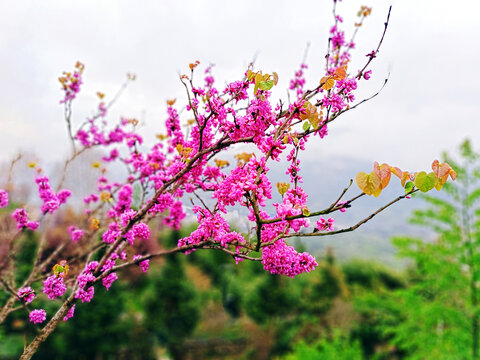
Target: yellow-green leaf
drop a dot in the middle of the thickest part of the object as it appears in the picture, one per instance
(369, 183)
(282, 187)
(425, 182)
(408, 187)
(266, 85)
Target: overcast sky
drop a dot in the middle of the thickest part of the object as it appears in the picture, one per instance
(431, 50)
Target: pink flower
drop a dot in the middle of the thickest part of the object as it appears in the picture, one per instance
(3, 198)
(325, 225)
(338, 39)
(85, 295)
(21, 217)
(83, 279)
(69, 313)
(38, 316)
(75, 233)
(141, 231)
(335, 101)
(71, 83)
(108, 280)
(27, 294)
(343, 208)
(367, 74)
(283, 259)
(54, 287)
(32, 225)
(63, 195)
(112, 233)
(143, 264)
(124, 199)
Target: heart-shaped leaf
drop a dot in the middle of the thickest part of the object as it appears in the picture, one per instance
(383, 172)
(442, 171)
(425, 182)
(266, 85)
(327, 83)
(369, 183)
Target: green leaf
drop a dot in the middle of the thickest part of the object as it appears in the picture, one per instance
(266, 85)
(408, 187)
(305, 211)
(306, 126)
(58, 269)
(425, 182)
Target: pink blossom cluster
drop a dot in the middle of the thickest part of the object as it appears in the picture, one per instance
(212, 228)
(112, 233)
(85, 277)
(294, 202)
(26, 294)
(176, 215)
(298, 82)
(21, 217)
(94, 134)
(108, 280)
(337, 38)
(283, 259)
(54, 287)
(242, 182)
(325, 225)
(335, 102)
(164, 201)
(124, 200)
(38, 316)
(3, 198)
(237, 90)
(143, 264)
(71, 83)
(75, 233)
(69, 313)
(90, 198)
(139, 231)
(51, 201)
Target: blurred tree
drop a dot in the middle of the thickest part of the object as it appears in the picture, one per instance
(102, 329)
(441, 313)
(338, 347)
(172, 310)
(366, 275)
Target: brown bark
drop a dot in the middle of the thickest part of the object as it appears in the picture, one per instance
(6, 309)
(31, 348)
